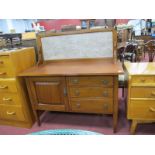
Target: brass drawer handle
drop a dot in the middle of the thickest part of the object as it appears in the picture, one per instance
(105, 94)
(2, 73)
(7, 99)
(78, 105)
(143, 80)
(1, 62)
(152, 109)
(11, 113)
(105, 106)
(77, 92)
(153, 93)
(75, 81)
(105, 82)
(3, 87)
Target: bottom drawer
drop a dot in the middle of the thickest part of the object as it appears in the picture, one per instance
(141, 109)
(104, 106)
(11, 113)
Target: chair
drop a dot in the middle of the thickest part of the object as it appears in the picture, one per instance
(150, 47)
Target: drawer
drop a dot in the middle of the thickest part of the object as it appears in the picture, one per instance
(6, 72)
(141, 109)
(8, 85)
(91, 92)
(143, 80)
(104, 106)
(9, 99)
(142, 92)
(12, 113)
(106, 81)
(5, 61)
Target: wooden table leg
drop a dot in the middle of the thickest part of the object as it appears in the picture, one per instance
(36, 114)
(133, 126)
(115, 110)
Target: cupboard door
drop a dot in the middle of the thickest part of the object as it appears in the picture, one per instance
(48, 92)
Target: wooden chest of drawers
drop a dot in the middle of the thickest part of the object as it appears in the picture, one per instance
(14, 103)
(141, 93)
(61, 87)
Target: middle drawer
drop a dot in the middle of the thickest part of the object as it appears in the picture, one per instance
(91, 92)
(142, 92)
(9, 99)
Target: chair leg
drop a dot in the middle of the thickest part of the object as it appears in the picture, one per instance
(123, 91)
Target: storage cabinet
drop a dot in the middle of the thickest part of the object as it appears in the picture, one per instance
(141, 93)
(14, 103)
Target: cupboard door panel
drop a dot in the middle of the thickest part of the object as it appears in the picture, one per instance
(48, 92)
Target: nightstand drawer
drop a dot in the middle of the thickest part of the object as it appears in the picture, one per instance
(9, 99)
(91, 92)
(11, 113)
(142, 92)
(104, 106)
(141, 109)
(143, 80)
(106, 81)
(8, 85)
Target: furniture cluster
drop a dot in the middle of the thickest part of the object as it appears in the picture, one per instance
(14, 103)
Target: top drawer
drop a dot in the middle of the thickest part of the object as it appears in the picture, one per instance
(91, 80)
(143, 80)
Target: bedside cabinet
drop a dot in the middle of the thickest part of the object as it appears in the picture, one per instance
(141, 93)
(14, 104)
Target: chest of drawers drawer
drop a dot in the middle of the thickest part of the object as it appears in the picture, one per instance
(92, 105)
(142, 109)
(9, 99)
(91, 92)
(143, 92)
(143, 80)
(8, 85)
(12, 113)
(106, 81)
(5, 61)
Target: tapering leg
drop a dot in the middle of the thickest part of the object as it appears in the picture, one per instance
(133, 126)
(36, 114)
(115, 109)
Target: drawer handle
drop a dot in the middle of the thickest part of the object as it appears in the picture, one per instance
(105, 94)
(152, 109)
(105, 106)
(77, 93)
(78, 105)
(1, 62)
(2, 73)
(153, 93)
(3, 87)
(7, 99)
(11, 113)
(105, 82)
(75, 81)
(65, 92)
(143, 80)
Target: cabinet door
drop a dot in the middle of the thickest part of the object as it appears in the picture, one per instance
(47, 93)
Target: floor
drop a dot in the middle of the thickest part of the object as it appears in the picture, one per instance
(97, 123)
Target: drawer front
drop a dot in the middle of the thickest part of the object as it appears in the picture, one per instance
(12, 113)
(9, 99)
(106, 81)
(104, 106)
(143, 80)
(91, 92)
(141, 109)
(8, 85)
(142, 92)
(6, 72)
(5, 61)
